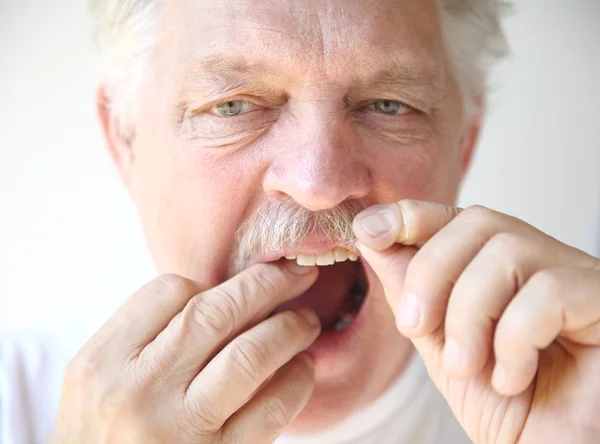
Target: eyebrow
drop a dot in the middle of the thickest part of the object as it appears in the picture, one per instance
(237, 65)
(227, 69)
(425, 80)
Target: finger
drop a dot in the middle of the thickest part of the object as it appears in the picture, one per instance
(439, 263)
(408, 222)
(481, 294)
(390, 266)
(237, 372)
(486, 286)
(213, 318)
(146, 313)
(554, 302)
(275, 407)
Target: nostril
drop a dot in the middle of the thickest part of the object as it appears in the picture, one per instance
(274, 193)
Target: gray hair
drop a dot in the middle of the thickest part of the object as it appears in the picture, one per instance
(280, 224)
(125, 31)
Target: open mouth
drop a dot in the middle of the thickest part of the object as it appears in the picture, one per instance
(339, 292)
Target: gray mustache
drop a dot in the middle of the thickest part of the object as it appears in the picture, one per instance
(284, 224)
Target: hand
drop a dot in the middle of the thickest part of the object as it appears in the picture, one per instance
(506, 318)
(179, 363)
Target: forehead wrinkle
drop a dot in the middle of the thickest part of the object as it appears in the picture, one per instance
(310, 50)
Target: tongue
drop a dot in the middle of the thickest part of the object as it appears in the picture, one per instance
(327, 295)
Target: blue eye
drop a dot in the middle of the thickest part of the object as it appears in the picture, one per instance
(390, 107)
(232, 108)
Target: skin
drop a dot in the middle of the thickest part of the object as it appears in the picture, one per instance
(192, 347)
(506, 318)
(312, 69)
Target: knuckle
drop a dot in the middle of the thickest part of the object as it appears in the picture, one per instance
(510, 249)
(414, 216)
(506, 244)
(478, 214)
(302, 373)
(281, 407)
(249, 355)
(173, 284)
(262, 281)
(547, 283)
(81, 371)
(205, 412)
(215, 316)
(87, 367)
(230, 435)
(289, 324)
(276, 411)
(412, 211)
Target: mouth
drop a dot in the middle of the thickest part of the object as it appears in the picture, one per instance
(340, 291)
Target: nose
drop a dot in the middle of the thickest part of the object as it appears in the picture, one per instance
(321, 166)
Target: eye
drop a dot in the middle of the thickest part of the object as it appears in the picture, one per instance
(232, 108)
(390, 107)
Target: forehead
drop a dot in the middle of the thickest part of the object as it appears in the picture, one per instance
(336, 39)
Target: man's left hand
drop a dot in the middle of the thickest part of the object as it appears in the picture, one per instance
(506, 318)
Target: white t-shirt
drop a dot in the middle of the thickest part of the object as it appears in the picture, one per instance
(411, 411)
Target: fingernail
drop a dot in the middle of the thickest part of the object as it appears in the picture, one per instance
(409, 312)
(376, 221)
(310, 316)
(299, 270)
(453, 357)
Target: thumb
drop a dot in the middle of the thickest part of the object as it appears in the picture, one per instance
(409, 224)
(394, 261)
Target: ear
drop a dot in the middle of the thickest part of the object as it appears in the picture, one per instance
(471, 133)
(119, 140)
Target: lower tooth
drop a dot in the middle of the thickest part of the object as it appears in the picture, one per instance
(341, 325)
(350, 309)
(348, 317)
(344, 321)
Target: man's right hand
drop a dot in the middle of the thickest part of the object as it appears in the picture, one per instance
(180, 363)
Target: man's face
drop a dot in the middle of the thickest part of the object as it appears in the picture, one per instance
(313, 105)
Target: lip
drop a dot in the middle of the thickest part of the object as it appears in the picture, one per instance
(331, 347)
(312, 246)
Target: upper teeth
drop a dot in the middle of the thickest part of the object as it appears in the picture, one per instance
(338, 254)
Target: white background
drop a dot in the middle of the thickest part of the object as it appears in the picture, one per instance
(70, 245)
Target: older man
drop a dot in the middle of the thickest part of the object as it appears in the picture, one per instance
(271, 148)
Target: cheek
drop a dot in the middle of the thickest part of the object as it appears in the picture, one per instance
(190, 204)
(419, 170)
